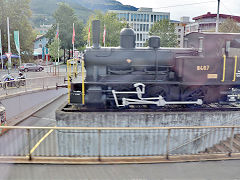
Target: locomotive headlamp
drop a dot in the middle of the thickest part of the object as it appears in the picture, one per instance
(128, 61)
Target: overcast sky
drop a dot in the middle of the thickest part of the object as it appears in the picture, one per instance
(187, 7)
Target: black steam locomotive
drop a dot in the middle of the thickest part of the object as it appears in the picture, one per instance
(207, 70)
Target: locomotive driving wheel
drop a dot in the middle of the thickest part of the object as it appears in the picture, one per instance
(193, 94)
(156, 91)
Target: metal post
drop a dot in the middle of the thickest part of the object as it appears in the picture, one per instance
(231, 143)
(99, 145)
(168, 142)
(29, 144)
(217, 22)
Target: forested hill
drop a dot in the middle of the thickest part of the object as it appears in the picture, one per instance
(43, 9)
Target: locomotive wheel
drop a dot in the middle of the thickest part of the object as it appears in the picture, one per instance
(193, 94)
(156, 91)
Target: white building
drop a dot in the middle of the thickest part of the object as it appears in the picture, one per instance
(141, 21)
(207, 22)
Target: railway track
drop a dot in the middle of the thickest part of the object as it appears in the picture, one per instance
(175, 108)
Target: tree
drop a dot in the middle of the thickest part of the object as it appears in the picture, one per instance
(53, 49)
(229, 26)
(113, 28)
(166, 31)
(65, 17)
(19, 13)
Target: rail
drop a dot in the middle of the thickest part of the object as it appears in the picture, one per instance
(30, 84)
(121, 142)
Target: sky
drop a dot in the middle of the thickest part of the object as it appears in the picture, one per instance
(191, 8)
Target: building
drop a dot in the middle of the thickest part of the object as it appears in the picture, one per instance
(180, 29)
(40, 46)
(207, 22)
(141, 21)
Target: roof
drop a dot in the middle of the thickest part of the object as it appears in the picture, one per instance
(39, 37)
(225, 16)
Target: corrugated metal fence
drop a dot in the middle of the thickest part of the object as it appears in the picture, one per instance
(115, 142)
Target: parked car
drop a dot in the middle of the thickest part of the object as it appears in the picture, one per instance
(30, 67)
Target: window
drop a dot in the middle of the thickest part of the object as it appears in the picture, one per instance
(131, 17)
(138, 27)
(147, 29)
(127, 16)
(151, 18)
(144, 27)
(141, 37)
(157, 18)
(135, 17)
(147, 17)
(200, 49)
(137, 37)
(138, 17)
(141, 28)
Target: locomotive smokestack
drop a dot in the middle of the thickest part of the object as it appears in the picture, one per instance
(96, 33)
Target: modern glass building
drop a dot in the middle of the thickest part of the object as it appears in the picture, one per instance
(141, 21)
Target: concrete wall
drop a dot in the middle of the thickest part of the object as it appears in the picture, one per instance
(151, 142)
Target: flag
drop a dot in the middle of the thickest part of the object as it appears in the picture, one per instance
(16, 39)
(89, 34)
(73, 37)
(0, 42)
(57, 32)
(104, 34)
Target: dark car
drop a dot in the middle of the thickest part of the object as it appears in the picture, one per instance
(30, 67)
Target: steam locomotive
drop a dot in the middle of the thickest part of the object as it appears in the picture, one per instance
(207, 70)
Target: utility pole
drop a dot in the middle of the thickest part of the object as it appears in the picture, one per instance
(217, 22)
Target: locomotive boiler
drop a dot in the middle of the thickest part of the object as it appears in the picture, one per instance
(205, 71)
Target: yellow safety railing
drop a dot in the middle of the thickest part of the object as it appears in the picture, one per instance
(83, 84)
(224, 68)
(235, 69)
(74, 73)
(69, 76)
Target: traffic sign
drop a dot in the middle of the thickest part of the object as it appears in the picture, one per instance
(8, 55)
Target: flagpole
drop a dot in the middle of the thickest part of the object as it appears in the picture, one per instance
(9, 47)
(1, 47)
(73, 42)
(58, 41)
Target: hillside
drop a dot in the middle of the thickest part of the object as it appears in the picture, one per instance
(43, 9)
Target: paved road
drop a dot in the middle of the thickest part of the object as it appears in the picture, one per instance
(221, 170)
(15, 142)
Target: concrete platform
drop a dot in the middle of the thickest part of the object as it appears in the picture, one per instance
(140, 143)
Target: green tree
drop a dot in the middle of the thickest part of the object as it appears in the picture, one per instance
(113, 28)
(65, 17)
(229, 26)
(19, 13)
(166, 31)
(53, 49)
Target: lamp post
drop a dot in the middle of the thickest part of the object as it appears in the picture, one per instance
(217, 22)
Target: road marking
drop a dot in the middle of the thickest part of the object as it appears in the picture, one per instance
(40, 141)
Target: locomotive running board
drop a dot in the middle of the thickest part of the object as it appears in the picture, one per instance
(158, 101)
